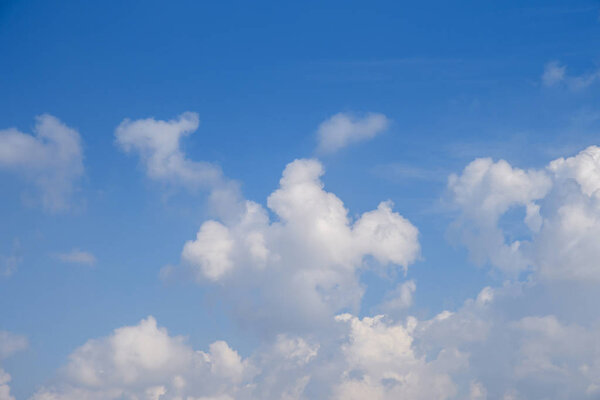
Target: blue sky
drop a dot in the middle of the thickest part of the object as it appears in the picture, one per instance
(513, 81)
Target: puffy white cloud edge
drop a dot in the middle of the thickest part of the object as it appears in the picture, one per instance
(304, 265)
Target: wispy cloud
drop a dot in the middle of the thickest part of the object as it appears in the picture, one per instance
(52, 159)
(77, 256)
(556, 74)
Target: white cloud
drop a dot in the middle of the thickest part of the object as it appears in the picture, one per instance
(561, 207)
(143, 361)
(77, 256)
(344, 129)
(52, 159)
(381, 364)
(294, 271)
(158, 145)
(210, 251)
(313, 250)
(485, 349)
(556, 74)
(483, 193)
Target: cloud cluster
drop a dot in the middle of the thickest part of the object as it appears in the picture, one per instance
(370, 359)
(560, 215)
(291, 270)
(312, 250)
(144, 362)
(52, 159)
(344, 129)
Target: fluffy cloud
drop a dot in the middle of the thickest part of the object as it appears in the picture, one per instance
(381, 364)
(313, 249)
(555, 74)
(484, 192)
(52, 159)
(293, 269)
(561, 215)
(158, 144)
(344, 129)
(144, 362)
(485, 349)
(371, 358)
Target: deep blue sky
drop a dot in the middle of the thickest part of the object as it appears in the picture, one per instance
(457, 83)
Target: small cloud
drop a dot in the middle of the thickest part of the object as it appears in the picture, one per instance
(77, 256)
(158, 145)
(554, 73)
(51, 159)
(344, 129)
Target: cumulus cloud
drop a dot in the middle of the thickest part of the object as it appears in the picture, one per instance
(556, 74)
(312, 249)
(77, 256)
(158, 145)
(561, 215)
(52, 159)
(371, 358)
(143, 361)
(535, 338)
(343, 129)
(381, 364)
(293, 268)
(483, 193)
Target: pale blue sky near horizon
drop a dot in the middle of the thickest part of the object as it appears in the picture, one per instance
(456, 83)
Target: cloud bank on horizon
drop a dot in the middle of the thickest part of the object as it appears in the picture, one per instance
(291, 272)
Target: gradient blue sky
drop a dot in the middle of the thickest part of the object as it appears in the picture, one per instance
(456, 82)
